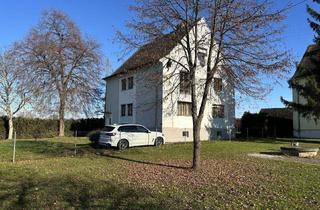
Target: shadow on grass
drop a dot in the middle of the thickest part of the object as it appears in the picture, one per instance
(47, 149)
(145, 162)
(277, 153)
(264, 141)
(64, 192)
(41, 149)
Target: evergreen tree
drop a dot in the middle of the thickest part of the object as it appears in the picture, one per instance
(306, 80)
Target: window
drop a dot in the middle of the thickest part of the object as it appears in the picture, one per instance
(108, 128)
(123, 84)
(129, 128)
(169, 63)
(218, 111)
(185, 133)
(129, 107)
(185, 83)
(141, 129)
(123, 110)
(202, 54)
(217, 82)
(130, 83)
(184, 108)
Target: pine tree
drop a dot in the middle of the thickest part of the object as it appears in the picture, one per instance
(306, 80)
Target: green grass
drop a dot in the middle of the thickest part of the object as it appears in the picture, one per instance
(48, 174)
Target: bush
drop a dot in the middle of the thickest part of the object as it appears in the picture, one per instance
(46, 128)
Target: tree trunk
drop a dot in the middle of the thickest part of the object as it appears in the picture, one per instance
(10, 134)
(61, 116)
(196, 146)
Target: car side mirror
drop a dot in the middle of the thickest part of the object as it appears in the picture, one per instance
(149, 131)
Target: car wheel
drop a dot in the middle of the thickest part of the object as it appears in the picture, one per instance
(158, 142)
(123, 144)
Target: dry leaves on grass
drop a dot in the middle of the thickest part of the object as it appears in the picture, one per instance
(228, 173)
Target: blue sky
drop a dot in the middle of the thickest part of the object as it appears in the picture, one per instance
(100, 18)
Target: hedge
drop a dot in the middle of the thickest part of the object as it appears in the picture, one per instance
(262, 125)
(44, 128)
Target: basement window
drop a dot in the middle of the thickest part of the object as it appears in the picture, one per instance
(185, 134)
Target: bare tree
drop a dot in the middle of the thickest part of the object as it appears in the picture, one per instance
(64, 64)
(14, 88)
(242, 42)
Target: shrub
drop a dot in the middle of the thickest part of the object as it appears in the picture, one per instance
(46, 128)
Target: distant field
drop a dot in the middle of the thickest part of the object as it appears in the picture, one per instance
(57, 174)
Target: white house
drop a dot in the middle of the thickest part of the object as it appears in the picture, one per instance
(304, 127)
(151, 90)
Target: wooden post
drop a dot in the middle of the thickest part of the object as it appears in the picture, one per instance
(75, 149)
(14, 147)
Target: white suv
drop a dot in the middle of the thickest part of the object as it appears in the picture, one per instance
(129, 135)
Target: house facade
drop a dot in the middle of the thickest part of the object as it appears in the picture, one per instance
(151, 90)
(304, 127)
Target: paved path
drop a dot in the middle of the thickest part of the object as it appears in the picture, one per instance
(279, 156)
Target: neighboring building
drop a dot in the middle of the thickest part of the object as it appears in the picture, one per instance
(143, 90)
(304, 127)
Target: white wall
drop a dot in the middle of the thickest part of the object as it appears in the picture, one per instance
(145, 96)
(112, 100)
(149, 97)
(304, 127)
(171, 95)
(155, 102)
(127, 96)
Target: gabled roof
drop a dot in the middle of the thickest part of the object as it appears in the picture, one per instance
(312, 52)
(285, 113)
(152, 52)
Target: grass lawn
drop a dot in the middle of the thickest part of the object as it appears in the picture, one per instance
(49, 175)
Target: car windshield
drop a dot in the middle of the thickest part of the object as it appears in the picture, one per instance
(108, 128)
